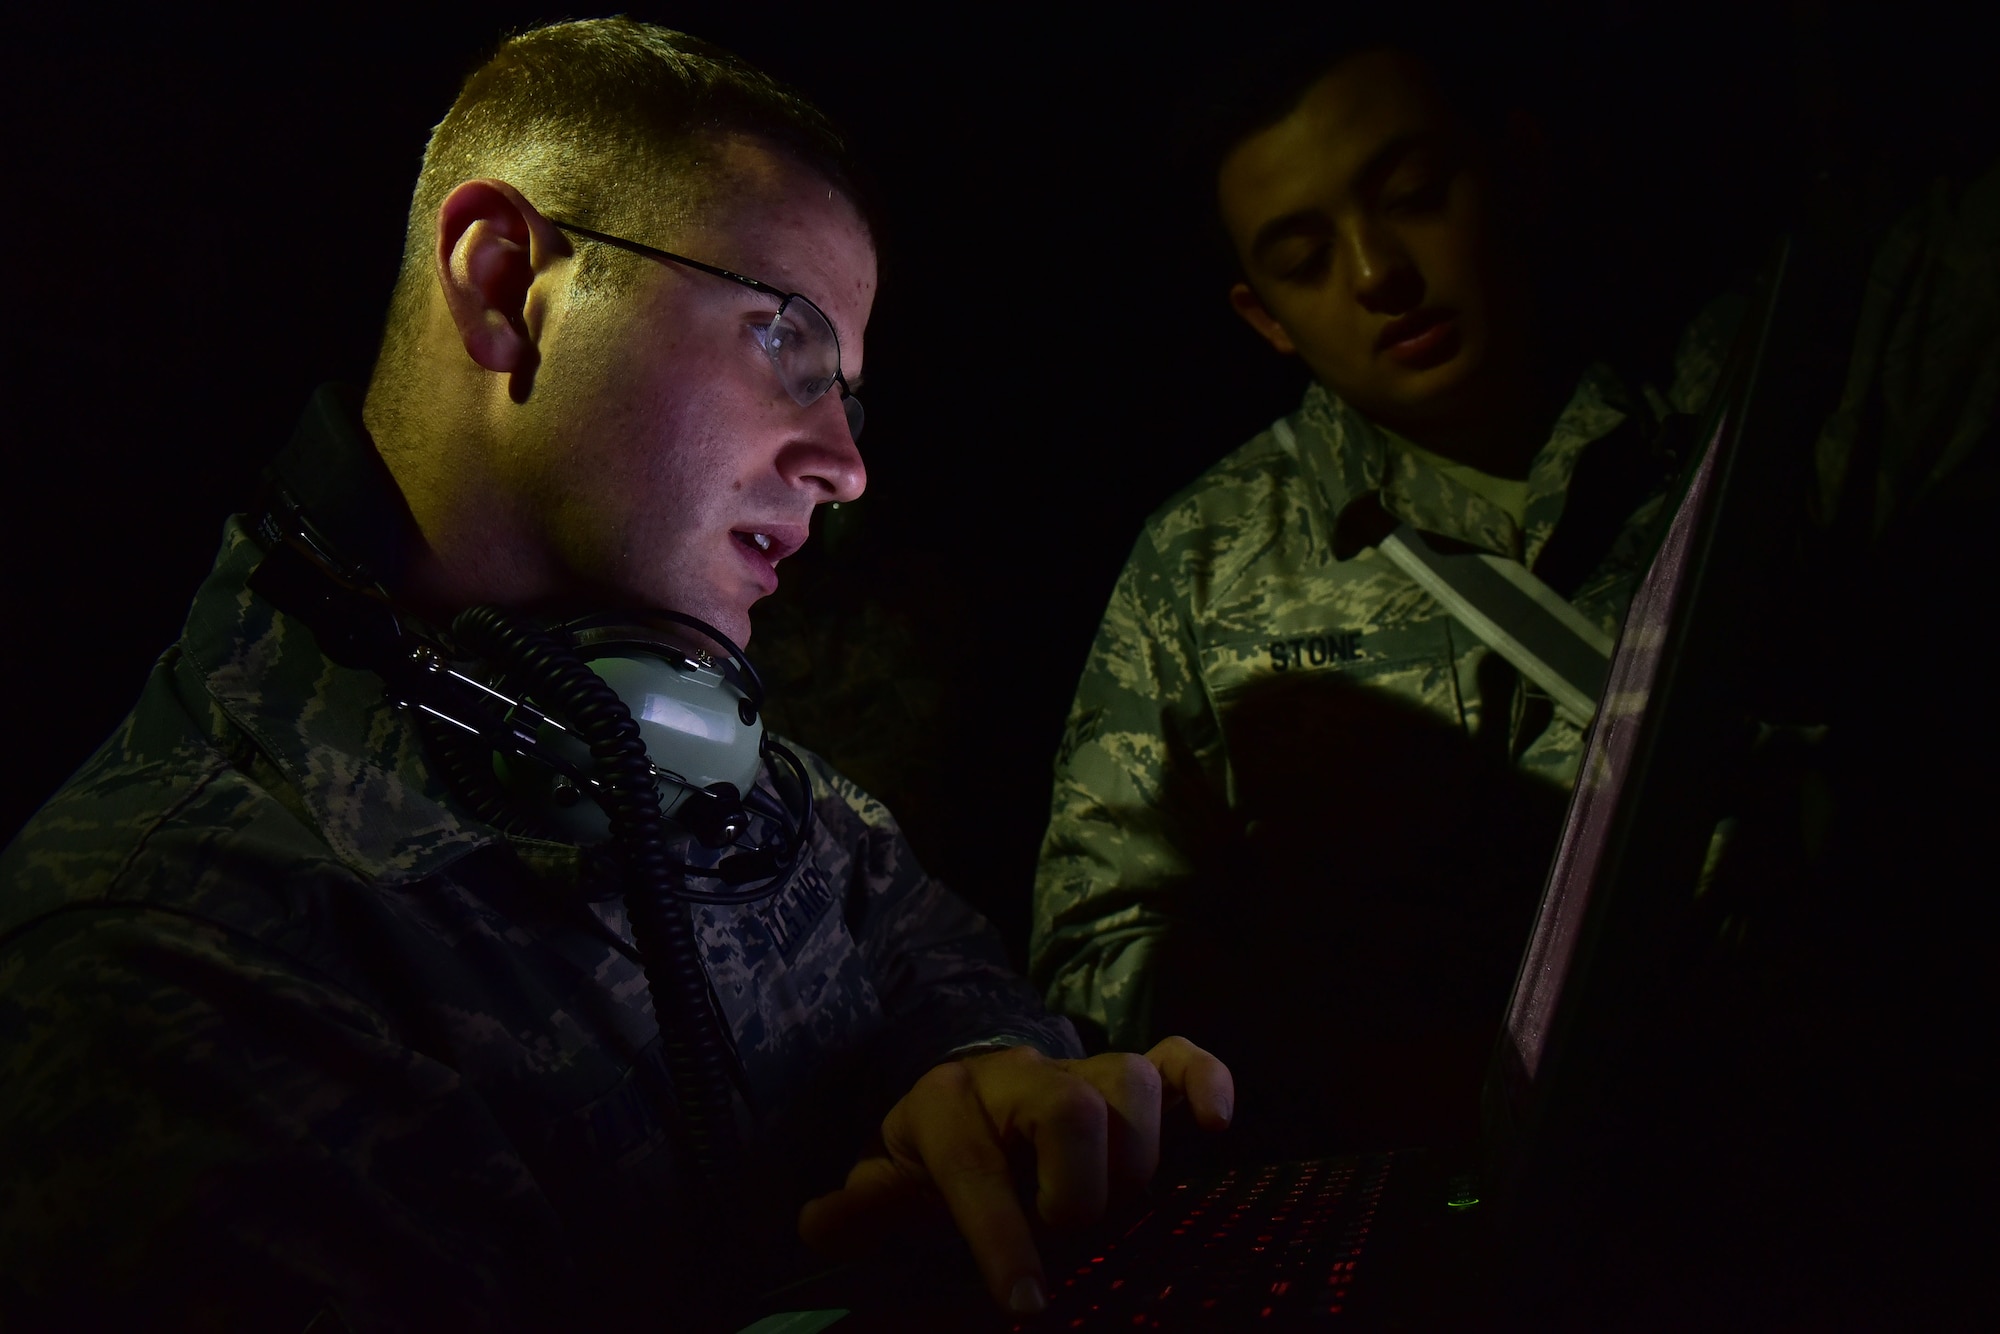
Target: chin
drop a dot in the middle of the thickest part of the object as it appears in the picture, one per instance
(731, 621)
(1434, 391)
(715, 593)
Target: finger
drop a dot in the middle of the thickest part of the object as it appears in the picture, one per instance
(944, 1125)
(879, 1200)
(1067, 1122)
(1203, 1080)
(1131, 1088)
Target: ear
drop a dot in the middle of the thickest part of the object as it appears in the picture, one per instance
(1245, 302)
(491, 246)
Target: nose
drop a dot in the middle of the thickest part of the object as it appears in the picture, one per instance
(1384, 280)
(825, 460)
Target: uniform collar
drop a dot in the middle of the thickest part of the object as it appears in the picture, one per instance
(331, 467)
(353, 758)
(1369, 480)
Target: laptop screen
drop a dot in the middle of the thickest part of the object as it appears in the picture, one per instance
(1603, 779)
(1641, 812)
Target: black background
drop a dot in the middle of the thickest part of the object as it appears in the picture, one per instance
(205, 215)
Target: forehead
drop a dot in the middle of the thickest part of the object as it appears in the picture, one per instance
(1366, 105)
(767, 217)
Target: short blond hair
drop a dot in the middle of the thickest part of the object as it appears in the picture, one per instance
(603, 122)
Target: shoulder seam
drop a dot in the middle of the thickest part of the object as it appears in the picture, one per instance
(217, 764)
(1211, 476)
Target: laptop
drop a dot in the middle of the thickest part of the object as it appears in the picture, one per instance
(1408, 1238)
(1401, 1237)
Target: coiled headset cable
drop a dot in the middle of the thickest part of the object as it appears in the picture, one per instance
(661, 926)
(356, 625)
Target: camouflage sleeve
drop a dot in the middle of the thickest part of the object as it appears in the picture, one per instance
(1703, 347)
(195, 1134)
(1918, 411)
(939, 969)
(1128, 796)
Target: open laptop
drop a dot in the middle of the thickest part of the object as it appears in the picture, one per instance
(1400, 1238)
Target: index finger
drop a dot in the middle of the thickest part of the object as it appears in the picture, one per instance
(1198, 1076)
(948, 1131)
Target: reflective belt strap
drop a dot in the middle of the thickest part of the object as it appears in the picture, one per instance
(1517, 615)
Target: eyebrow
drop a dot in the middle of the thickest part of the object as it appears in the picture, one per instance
(1311, 220)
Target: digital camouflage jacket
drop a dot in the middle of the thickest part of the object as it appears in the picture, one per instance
(1264, 572)
(284, 1031)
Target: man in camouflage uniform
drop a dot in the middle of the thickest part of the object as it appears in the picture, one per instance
(1299, 809)
(291, 1040)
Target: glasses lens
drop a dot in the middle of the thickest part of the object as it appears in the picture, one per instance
(804, 349)
(806, 352)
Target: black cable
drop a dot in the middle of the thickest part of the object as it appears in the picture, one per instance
(465, 761)
(660, 921)
(356, 625)
(463, 755)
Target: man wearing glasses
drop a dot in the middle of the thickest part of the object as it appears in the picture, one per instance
(293, 1040)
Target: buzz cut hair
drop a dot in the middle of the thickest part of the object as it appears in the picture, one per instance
(1249, 92)
(1260, 86)
(605, 123)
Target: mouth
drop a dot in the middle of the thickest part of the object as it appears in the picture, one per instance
(1420, 339)
(762, 547)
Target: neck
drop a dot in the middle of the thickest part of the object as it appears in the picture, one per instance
(1498, 422)
(475, 545)
(1499, 435)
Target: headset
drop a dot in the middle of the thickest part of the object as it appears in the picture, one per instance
(486, 698)
(514, 750)
(618, 732)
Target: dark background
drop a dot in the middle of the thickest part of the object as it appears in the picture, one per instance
(205, 218)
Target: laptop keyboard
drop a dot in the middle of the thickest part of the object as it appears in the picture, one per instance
(1273, 1246)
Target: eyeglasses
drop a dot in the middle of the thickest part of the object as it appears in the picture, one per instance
(799, 340)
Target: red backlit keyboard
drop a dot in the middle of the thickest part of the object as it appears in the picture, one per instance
(1269, 1247)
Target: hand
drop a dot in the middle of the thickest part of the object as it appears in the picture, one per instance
(1092, 1125)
